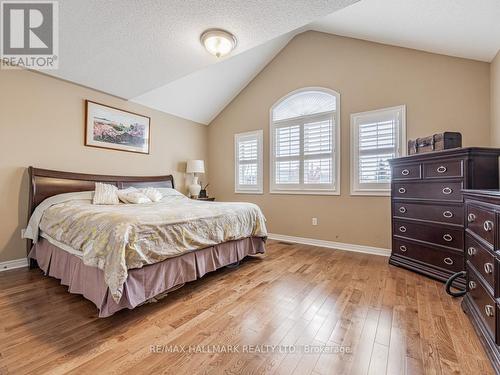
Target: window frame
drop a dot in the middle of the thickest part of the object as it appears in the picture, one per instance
(374, 189)
(301, 188)
(249, 189)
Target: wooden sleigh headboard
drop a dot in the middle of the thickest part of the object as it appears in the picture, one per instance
(45, 183)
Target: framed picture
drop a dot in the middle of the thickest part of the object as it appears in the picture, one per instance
(115, 129)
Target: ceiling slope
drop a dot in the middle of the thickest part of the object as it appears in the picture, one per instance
(129, 47)
(202, 95)
(462, 28)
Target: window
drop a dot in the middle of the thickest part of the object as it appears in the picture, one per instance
(305, 138)
(248, 162)
(376, 137)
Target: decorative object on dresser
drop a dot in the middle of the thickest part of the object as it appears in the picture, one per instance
(428, 209)
(436, 142)
(482, 239)
(203, 191)
(194, 167)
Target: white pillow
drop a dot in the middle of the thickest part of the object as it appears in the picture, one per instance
(152, 193)
(132, 196)
(105, 194)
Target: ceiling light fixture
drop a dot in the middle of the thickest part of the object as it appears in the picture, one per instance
(218, 42)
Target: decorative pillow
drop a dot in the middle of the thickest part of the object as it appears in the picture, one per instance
(105, 194)
(132, 196)
(153, 194)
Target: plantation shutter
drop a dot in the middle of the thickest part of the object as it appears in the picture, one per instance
(377, 144)
(302, 143)
(248, 171)
(377, 136)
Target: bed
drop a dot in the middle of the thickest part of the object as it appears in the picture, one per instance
(122, 256)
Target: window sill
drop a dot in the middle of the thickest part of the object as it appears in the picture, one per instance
(256, 192)
(306, 192)
(373, 193)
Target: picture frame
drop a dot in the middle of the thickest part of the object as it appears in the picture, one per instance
(116, 129)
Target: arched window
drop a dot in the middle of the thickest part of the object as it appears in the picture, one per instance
(305, 136)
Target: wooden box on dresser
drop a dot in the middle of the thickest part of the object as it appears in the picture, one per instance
(428, 207)
(482, 243)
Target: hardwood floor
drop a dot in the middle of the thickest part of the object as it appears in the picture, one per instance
(381, 318)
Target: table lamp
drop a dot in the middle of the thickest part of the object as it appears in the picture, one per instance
(194, 167)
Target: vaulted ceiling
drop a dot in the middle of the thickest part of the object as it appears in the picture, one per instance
(128, 48)
(149, 51)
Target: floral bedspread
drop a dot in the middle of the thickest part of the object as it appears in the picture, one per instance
(116, 238)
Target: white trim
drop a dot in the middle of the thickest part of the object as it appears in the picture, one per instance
(331, 245)
(336, 152)
(247, 189)
(306, 192)
(371, 189)
(12, 264)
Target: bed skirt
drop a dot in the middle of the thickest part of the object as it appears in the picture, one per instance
(143, 283)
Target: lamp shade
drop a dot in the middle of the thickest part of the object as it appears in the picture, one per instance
(195, 166)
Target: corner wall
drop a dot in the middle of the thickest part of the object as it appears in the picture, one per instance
(440, 92)
(42, 124)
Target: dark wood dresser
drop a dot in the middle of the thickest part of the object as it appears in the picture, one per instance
(428, 207)
(482, 243)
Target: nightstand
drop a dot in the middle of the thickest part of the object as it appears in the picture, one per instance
(210, 199)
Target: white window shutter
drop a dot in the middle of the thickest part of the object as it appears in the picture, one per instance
(376, 137)
(248, 162)
(304, 143)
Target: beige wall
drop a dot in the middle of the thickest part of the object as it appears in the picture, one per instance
(495, 101)
(42, 124)
(440, 92)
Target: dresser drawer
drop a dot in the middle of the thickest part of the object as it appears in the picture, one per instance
(444, 169)
(429, 233)
(484, 303)
(422, 211)
(407, 172)
(481, 221)
(449, 260)
(444, 191)
(482, 260)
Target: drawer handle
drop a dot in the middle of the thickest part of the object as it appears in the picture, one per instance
(488, 268)
(402, 228)
(488, 225)
(447, 190)
(472, 285)
(403, 248)
(405, 172)
(471, 218)
(448, 237)
(471, 251)
(488, 309)
(441, 169)
(447, 214)
(402, 190)
(448, 261)
(402, 209)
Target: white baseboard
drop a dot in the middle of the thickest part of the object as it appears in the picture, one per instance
(331, 245)
(11, 264)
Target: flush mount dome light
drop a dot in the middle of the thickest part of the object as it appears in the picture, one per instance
(218, 42)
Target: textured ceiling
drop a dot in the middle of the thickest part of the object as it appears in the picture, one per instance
(462, 28)
(202, 95)
(149, 51)
(129, 47)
